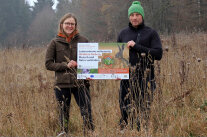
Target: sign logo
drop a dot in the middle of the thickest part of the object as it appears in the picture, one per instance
(108, 61)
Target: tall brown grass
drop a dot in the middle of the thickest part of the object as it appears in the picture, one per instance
(28, 106)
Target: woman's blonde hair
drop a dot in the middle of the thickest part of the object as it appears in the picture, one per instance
(66, 16)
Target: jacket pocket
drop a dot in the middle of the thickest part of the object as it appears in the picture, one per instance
(60, 54)
(65, 77)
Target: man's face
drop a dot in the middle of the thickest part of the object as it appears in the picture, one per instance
(135, 19)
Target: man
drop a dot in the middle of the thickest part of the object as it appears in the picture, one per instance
(144, 47)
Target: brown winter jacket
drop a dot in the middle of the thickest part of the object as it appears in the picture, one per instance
(58, 54)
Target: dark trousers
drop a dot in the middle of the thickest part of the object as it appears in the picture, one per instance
(82, 98)
(135, 98)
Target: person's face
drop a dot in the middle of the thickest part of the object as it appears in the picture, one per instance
(135, 19)
(69, 25)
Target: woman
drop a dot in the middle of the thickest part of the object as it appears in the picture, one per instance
(61, 57)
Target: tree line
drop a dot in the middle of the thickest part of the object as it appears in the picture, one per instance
(99, 20)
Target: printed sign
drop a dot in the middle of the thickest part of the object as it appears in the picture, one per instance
(103, 61)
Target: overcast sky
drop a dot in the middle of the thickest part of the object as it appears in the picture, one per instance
(31, 2)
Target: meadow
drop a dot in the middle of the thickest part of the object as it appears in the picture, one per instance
(28, 106)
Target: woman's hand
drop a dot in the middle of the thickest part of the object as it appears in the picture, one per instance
(72, 63)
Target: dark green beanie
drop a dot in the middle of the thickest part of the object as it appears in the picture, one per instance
(136, 7)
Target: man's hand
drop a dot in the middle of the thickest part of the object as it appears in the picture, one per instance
(130, 43)
(117, 79)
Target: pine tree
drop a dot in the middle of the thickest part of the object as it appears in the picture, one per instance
(40, 5)
(42, 28)
(203, 16)
(14, 20)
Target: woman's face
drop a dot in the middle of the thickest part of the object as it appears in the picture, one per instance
(69, 25)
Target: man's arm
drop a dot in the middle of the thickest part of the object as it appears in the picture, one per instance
(156, 47)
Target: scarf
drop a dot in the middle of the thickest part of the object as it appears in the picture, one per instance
(70, 37)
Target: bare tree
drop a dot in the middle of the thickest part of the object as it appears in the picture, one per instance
(42, 28)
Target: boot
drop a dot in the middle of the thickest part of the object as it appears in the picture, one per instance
(88, 123)
(123, 123)
(64, 118)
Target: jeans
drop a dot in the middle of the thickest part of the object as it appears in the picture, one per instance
(135, 98)
(82, 98)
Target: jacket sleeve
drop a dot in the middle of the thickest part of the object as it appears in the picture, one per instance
(119, 38)
(156, 47)
(50, 58)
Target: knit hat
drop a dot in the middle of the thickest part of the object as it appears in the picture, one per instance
(136, 7)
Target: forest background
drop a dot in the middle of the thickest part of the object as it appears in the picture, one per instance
(99, 20)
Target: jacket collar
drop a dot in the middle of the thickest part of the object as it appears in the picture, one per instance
(63, 39)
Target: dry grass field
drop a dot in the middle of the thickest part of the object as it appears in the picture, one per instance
(28, 106)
